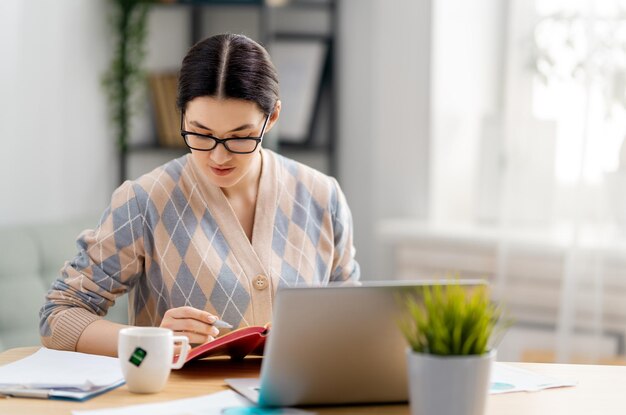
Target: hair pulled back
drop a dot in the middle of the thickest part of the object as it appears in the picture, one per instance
(228, 66)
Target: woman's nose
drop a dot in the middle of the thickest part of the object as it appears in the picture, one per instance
(219, 155)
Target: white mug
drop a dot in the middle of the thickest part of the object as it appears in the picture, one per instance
(146, 355)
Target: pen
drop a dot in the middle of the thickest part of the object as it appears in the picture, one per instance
(221, 324)
(25, 393)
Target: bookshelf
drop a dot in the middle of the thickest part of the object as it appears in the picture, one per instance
(300, 36)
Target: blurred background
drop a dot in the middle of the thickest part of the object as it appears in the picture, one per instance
(472, 139)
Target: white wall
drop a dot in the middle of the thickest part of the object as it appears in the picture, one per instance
(467, 59)
(384, 113)
(356, 120)
(417, 78)
(56, 147)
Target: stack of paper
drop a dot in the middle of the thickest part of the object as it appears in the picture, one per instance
(506, 378)
(60, 375)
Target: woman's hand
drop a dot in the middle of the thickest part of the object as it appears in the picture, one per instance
(196, 324)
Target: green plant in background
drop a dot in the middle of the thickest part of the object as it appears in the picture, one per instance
(125, 75)
(450, 320)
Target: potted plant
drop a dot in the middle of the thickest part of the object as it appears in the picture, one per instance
(449, 328)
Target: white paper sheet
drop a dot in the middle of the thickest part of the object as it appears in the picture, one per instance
(227, 402)
(203, 405)
(53, 368)
(506, 378)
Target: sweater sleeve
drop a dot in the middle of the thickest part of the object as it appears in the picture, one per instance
(345, 267)
(109, 259)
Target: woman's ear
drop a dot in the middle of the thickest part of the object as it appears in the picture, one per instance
(274, 116)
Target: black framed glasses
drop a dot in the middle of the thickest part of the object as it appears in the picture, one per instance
(205, 142)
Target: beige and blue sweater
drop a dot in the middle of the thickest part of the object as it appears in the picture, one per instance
(171, 239)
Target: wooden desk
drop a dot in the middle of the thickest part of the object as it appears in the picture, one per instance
(601, 390)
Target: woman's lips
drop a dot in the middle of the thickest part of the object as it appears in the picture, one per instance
(223, 171)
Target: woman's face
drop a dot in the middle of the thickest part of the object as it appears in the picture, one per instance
(227, 118)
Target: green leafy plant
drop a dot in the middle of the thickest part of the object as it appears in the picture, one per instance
(125, 75)
(450, 320)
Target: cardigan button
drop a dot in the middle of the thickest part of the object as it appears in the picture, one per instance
(260, 282)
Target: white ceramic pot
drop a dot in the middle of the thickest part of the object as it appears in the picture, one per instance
(448, 385)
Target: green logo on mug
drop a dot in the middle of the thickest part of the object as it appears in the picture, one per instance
(137, 357)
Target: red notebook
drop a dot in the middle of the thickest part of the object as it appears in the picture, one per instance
(237, 344)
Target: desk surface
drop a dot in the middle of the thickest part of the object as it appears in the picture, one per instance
(601, 390)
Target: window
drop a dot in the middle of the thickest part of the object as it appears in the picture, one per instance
(580, 83)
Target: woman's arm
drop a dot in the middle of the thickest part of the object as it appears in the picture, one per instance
(100, 337)
(345, 268)
(109, 260)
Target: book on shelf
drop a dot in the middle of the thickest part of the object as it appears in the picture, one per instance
(247, 341)
(163, 88)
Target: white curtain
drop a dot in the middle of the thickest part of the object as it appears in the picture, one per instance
(561, 185)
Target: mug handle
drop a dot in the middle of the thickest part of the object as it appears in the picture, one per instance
(182, 357)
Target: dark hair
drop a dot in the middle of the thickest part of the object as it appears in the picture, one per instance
(228, 66)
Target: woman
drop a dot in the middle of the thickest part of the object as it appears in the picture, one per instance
(212, 234)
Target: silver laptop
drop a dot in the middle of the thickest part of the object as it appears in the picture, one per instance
(334, 345)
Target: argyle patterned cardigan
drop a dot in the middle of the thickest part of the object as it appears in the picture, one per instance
(171, 239)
